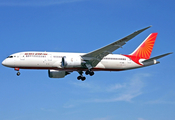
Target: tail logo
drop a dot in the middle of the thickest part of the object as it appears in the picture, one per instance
(145, 49)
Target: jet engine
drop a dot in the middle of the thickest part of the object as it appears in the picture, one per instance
(71, 61)
(57, 73)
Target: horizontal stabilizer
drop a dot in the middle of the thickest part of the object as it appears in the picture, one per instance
(155, 58)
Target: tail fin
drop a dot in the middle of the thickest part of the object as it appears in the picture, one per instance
(145, 48)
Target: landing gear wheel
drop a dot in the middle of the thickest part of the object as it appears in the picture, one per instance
(81, 78)
(18, 73)
(89, 72)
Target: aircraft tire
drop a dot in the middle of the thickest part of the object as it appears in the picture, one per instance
(83, 78)
(18, 73)
(87, 72)
(91, 73)
(79, 77)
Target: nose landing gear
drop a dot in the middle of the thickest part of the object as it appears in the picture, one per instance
(18, 73)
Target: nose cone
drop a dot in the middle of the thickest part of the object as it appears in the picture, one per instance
(8, 62)
(3, 62)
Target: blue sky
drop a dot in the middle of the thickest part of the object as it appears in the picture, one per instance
(82, 26)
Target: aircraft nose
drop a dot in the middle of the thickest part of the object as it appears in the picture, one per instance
(4, 62)
(8, 62)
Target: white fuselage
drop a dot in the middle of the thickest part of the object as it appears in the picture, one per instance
(52, 60)
(60, 64)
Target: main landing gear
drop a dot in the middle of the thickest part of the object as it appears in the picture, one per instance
(18, 73)
(88, 72)
(81, 77)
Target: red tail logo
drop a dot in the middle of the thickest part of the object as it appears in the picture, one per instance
(145, 48)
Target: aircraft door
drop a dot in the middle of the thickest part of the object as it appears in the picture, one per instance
(50, 57)
(47, 59)
(22, 57)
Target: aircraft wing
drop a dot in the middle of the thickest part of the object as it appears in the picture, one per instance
(94, 57)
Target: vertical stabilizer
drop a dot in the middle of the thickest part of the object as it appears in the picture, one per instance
(145, 48)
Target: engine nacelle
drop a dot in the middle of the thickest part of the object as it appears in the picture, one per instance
(71, 61)
(57, 73)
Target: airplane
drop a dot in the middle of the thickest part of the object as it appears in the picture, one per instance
(60, 64)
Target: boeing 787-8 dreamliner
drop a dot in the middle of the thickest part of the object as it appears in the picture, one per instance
(60, 64)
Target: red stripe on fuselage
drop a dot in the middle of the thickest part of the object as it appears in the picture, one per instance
(70, 69)
(134, 59)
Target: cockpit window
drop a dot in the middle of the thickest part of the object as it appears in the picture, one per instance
(10, 57)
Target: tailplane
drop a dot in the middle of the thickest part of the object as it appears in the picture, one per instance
(145, 48)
